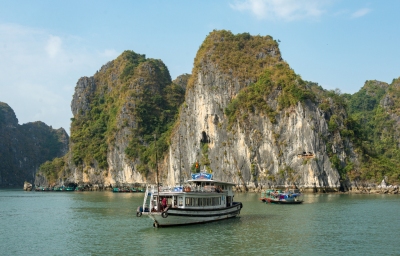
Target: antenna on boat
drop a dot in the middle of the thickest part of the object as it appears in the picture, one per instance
(158, 184)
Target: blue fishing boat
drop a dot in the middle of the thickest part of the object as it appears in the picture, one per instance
(289, 197)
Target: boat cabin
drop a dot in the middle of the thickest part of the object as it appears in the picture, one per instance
(201, 192)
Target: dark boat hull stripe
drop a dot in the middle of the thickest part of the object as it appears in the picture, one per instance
(204, 215)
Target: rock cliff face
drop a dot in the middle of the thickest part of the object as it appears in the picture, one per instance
(23, 148)
(115, 113)
(257, 152)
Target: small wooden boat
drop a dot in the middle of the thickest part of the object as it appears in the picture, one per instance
(42, 189)
(267, 194)
(121, 190)
(140, 190)
(291, 197)
(80, 188)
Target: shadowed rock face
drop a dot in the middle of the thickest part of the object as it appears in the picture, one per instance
(84, 89)
(23, 148)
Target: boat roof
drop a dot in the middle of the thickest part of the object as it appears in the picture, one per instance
(214, 181)
(207, 177)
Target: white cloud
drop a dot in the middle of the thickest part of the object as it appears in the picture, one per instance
(361, 12)
(53, 46)
(40, 71)
(288, 10)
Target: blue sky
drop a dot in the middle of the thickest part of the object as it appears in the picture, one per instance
(46, 46)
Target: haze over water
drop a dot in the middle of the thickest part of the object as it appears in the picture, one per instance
(95, 223)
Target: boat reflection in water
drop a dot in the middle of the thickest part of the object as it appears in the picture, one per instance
(202, 200)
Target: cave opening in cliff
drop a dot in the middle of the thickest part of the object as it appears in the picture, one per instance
(204, 137)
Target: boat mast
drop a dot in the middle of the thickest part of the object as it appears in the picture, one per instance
(180, 165)
(158, 185)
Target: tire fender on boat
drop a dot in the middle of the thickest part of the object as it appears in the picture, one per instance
(138, 214)
(164, 214)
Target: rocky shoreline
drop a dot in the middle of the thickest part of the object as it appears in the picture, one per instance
(244, 189)
(360, 190)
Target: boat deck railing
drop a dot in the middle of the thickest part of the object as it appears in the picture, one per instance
(191, 188)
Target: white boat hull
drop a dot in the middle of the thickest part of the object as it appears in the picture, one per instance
(182, 216)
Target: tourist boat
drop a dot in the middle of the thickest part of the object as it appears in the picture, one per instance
(202, 200)
(290, 197)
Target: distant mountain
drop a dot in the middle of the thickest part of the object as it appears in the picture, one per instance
(23, 148)
(182, 80)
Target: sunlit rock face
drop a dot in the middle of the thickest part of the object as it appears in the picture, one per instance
(258, 152)
(249, 155)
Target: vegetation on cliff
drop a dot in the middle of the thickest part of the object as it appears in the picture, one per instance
(376, 110)
(156, 114)
(278, 78)
(132, 92)
(53, 170)
(242, 56)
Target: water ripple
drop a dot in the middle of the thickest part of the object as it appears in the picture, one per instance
(105, 223)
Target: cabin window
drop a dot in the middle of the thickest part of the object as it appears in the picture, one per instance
(210, 201)
(180, 201)
(216, 201)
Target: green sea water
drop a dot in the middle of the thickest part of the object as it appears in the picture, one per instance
(105, 223)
